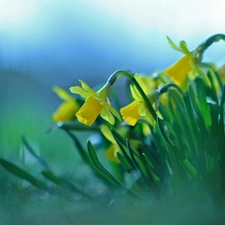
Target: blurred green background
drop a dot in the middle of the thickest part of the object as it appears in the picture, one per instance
(45, 43)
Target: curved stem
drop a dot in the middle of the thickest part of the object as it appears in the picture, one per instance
(117, 74)
(164, 88)
(198, 52)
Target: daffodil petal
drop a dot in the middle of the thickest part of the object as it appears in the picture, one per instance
(86, 87)
(107, 133)
(141, 109)
(62, 94)
(146, 82)
(107, 115)
(179, 70)
(184, 48)
(172, 44)
(79, 90)
(135, 93)
(66, 111)
(130, 113)
(143, 82)
(113, 111)
(89, 111)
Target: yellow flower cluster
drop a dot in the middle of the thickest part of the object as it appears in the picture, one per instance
(98, 102)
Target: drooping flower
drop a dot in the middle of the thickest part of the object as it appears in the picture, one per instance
(66, 111)
(137, 109)
(95, 104)
(179, 70)
(130, 112)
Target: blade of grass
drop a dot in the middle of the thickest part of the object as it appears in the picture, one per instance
(33, 153)
(151, 168)
(135, 163)
(221, 138)
(87, 159)
(16, 170)
(203, 105)
(64, 183)
(122, 143)
(98, 165)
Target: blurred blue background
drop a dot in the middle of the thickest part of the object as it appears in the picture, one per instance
(52, 42)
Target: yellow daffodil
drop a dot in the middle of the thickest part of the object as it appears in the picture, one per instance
(66, 111)
(137, 109)
(179, 70)
(95, 104)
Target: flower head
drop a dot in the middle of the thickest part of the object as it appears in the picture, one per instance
(95, 104)
(66, 111)
(179, 70)
(137, 109)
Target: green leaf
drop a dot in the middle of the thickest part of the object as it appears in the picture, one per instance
(80, 148)
(16, 170)
(221, 133)
(124, 162)
(33, 153)
(122, 143)
(151, 168)
(190, 168)
(86, 158)
(98, 165)
(63, 183)
(170, 160)
(202, 100)
(135, 163)
(197, 111)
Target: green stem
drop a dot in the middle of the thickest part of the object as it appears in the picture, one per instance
(198, 52)
(164, 88)
(117, 74)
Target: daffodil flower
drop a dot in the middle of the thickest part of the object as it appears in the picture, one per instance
(95, 104)
(137, 109)
(66, 111)
(179, 70)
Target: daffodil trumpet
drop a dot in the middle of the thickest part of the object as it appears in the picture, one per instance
(96, 103)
